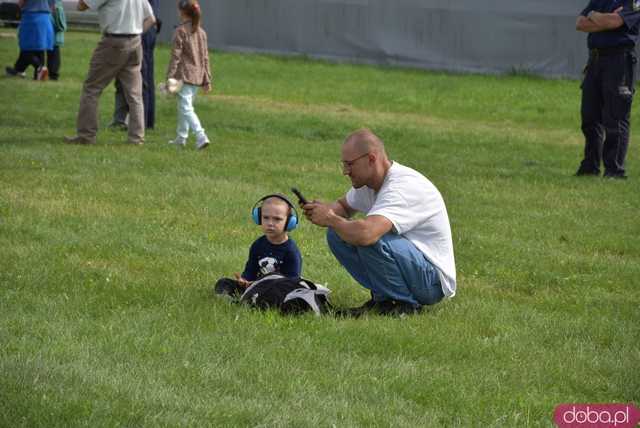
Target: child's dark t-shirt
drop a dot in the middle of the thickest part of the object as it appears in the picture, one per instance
(266, 258)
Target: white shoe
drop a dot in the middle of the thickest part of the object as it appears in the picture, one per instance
(202, 142)
(179, 141)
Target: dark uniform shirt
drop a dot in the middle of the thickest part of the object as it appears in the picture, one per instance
(626, 35)
(266, 258)
(155, 5)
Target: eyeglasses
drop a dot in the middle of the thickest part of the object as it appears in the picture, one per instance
(347, 165)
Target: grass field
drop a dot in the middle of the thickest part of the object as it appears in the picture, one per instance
(108, 254)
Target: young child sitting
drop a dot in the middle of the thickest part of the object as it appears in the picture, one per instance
(273, 252)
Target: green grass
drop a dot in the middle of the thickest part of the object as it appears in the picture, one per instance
(108, 253)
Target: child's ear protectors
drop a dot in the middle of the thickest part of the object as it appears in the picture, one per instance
(292, 218)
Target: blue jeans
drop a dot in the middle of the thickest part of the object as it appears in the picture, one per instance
(187, 117)
(392, 269)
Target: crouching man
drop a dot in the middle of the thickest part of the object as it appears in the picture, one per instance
(402, 250)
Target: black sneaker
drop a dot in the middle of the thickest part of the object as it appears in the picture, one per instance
(383, 307)
(614, 176)
(357, 311)
(398, 309)
(10, 71)
(587, 173)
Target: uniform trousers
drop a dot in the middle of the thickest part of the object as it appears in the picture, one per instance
(607, 93)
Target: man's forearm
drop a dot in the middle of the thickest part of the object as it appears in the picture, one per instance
(596, 22)
(606, 21)
(354, 232)
(148, 23)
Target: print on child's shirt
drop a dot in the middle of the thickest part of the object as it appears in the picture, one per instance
(268, 265)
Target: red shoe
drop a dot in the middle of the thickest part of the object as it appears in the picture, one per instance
(43, 73)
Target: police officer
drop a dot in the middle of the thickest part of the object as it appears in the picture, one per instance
(608, 85)
(121, 108)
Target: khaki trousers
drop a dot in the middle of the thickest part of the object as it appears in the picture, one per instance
(114, 57)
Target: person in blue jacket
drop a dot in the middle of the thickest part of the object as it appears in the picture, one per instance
(35, 37)
(609, 84)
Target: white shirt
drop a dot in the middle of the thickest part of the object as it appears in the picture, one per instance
(416, 209)
(121, 16)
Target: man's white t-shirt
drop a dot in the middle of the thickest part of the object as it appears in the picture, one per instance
(416, 209)
(121, 16)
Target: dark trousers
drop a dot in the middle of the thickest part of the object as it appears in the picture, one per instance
(27, 58)
(53, 63)
(607, 93)
(148, 85)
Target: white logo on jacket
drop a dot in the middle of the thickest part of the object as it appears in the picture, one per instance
(268, 265)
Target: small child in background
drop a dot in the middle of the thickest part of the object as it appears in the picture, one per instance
(59, 20)
(190, 64)
(273, 252)
(35, 37)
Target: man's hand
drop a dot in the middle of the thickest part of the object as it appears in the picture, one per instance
(82, 6)
(361, 232)
(319, 213)
(207, 88)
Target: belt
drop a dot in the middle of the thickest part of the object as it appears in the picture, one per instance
(126, 36)
(618, 50)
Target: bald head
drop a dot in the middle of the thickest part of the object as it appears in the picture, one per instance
(364, 159)
(365, 141)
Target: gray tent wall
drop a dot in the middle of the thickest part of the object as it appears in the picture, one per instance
(496, 36)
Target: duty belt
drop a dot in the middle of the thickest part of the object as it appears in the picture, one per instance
(618, 50)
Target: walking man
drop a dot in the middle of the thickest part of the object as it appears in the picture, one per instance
(118, 55)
